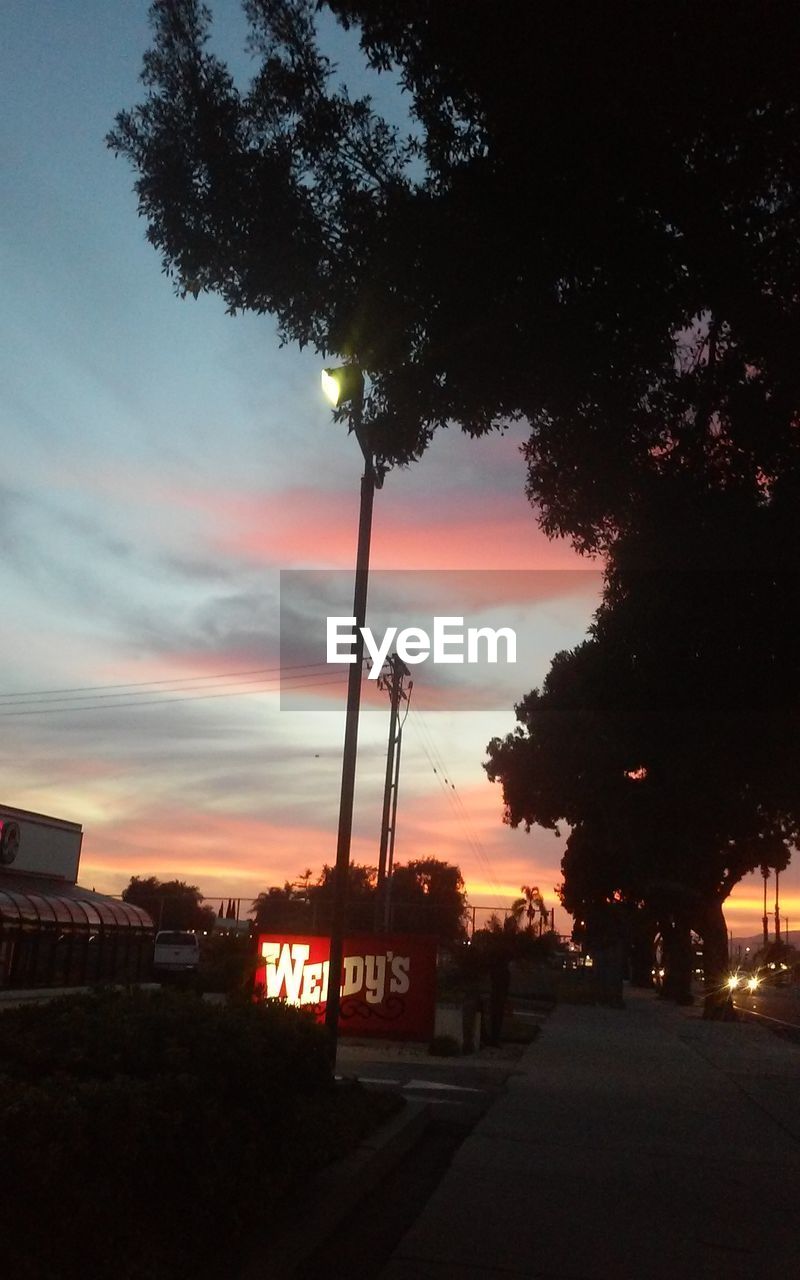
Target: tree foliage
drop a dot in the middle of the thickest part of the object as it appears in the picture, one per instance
(587, 218)
(280, 908)
(172, 904)
(668, 740)
(530, 905)
(427, 894)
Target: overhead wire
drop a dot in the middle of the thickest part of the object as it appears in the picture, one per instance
(149, 697)
(444, 776)
(98, 689)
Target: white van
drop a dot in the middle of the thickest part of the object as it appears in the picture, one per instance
(176, 951)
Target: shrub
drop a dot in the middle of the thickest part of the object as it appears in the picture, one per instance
(143, 1135)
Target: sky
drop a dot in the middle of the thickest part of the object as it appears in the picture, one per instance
(164, 465)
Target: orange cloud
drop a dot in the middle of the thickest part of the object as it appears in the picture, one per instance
(234, 855)
(210, 849)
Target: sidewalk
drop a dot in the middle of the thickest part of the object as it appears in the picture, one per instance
(634, 1144)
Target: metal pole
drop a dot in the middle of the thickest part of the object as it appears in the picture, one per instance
(764, 920)
(349, 754)
(397, 669)
(777, 908)
(392, 833)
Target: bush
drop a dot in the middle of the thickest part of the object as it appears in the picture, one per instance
(144, 1135)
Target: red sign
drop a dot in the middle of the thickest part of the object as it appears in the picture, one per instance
(387, 985)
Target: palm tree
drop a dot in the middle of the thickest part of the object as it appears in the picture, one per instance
(303, 880)
(516, 911)
(531, 902)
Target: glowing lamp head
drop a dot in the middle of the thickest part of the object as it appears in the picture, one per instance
(732, 982)
(752, 984)
(342, 384)
(330, 387)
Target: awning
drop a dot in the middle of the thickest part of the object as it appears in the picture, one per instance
(33, 903)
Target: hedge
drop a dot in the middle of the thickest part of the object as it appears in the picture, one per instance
(144, 1135)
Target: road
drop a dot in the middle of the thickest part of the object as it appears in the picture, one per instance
(780, 1006)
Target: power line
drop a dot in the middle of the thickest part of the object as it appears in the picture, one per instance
(476, 842)
(313, 682)
(443, 776)
(282, 681)
(174, 680)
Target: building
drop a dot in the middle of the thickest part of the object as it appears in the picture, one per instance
(53, 933)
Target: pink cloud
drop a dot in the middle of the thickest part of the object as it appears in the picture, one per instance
(305, 527)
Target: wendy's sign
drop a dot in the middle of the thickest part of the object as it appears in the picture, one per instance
(387, 984)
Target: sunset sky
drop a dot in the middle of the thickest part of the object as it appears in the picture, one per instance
(162, 464)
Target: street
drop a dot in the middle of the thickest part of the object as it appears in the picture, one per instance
(779, 1006)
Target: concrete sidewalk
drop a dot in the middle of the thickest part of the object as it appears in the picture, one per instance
(632, 1144)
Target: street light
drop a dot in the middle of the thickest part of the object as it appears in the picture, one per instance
(342, 386)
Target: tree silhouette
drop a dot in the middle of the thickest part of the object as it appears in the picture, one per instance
(534, 904)
(590, 222)
(172, 904)
(668, 740)
(281, 909)
(428, 897)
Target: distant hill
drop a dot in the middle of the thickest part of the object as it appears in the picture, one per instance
(756, 940)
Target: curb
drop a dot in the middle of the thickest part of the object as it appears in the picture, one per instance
(335, 1193)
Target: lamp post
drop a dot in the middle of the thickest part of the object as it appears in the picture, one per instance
(341, 386)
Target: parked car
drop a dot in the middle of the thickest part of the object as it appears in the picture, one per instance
(176, 951)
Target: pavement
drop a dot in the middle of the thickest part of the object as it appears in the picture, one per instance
(459, 1088)
(633, 1144)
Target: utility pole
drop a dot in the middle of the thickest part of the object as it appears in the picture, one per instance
(393, 681)
(387, 918)
(764, 919)
(777, 909)
(350, 386)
